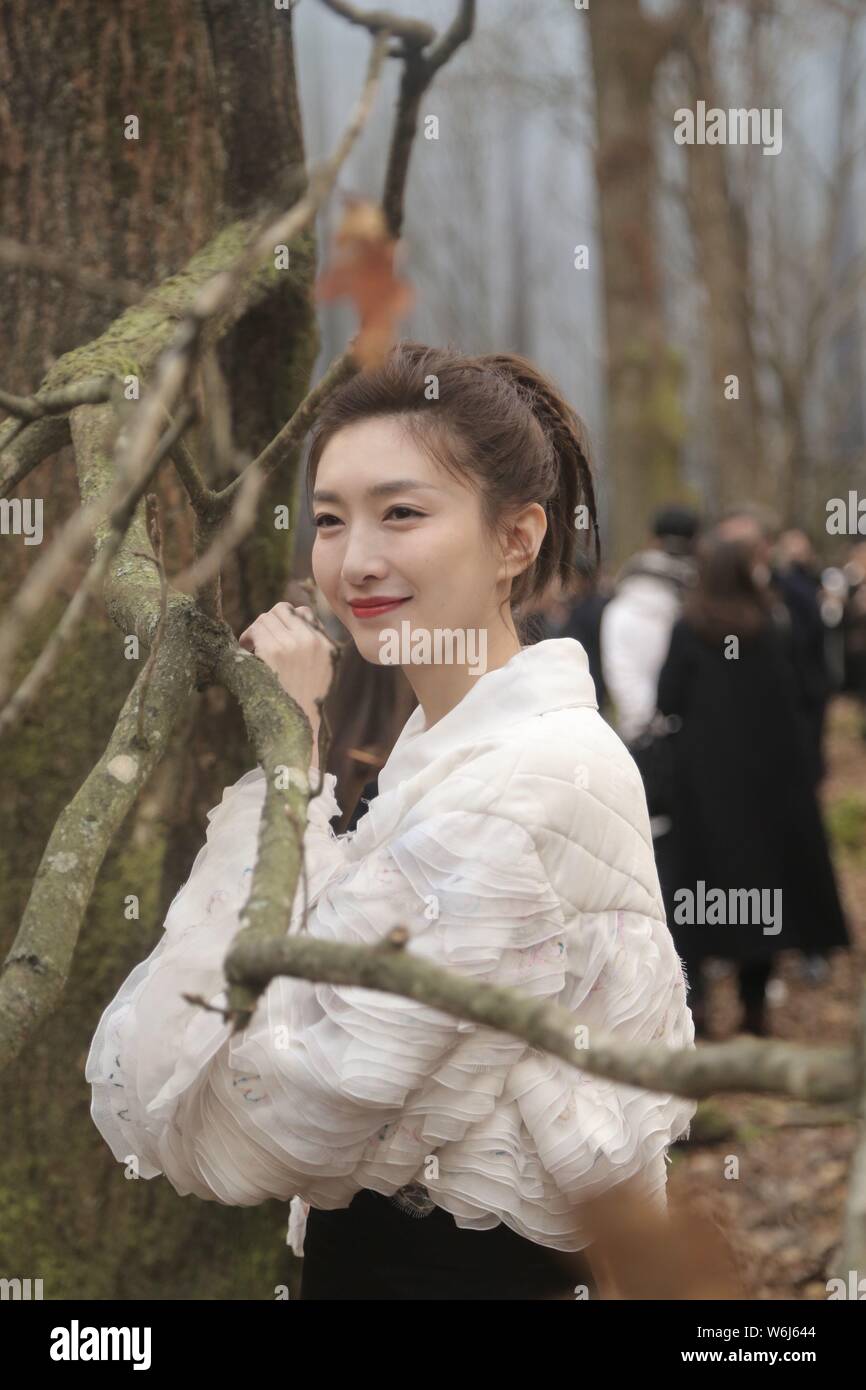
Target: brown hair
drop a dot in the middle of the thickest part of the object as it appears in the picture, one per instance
(726, 600)
(496, 421)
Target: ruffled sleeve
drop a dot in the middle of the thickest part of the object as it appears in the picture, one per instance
(202, 920)
(331, 1089)
(305, 1098)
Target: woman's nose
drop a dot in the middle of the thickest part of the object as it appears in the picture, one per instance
(362, 560)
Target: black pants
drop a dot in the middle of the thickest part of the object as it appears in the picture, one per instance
(373, 1250)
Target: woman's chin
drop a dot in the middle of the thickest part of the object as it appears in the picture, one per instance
(371, 648)
(379, 639)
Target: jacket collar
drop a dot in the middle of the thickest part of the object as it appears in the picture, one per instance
(550, 675)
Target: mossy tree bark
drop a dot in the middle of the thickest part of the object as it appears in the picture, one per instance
(213, 87)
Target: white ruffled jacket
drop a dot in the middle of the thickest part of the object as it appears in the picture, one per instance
(512, 839)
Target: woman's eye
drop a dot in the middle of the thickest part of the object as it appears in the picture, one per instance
(409, 510)
(324, 521)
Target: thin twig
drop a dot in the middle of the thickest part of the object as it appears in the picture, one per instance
(154, 531)
(60, 402)
(241, 521)
(15, 255)
(90, 585)
(413, 32)
(341, 369)
(76, 533)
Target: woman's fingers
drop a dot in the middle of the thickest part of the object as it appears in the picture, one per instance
(271, 630)
(284, 626)
(299, 621)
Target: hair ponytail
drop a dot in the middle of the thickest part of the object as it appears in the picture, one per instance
(574, 486)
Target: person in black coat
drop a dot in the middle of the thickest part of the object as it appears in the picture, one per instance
(854, 630)
(799, 584)
(744, 810)
(793, 589)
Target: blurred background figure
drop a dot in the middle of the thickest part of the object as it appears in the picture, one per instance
(798, 574)
(575, 613)
(794, 593)
(547, 615)
(743, 804)
(854, 628)
(635, 627)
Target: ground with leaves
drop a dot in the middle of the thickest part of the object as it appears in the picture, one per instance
(782, 1216)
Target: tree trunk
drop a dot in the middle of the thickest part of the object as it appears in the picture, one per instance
(721, 242)
(214, 90)
(645, 425)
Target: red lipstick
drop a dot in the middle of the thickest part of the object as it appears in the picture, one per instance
(375, 606)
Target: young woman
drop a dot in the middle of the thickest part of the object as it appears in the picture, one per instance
(744, 810)
(432, 1157)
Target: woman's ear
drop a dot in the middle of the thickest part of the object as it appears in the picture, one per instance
(522, 541)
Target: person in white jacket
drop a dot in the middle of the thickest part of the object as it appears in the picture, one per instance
(510, 836)
(637, 621)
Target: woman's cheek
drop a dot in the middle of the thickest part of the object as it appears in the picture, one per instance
(322, 572)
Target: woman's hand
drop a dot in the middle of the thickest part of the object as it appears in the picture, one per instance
(291, 641)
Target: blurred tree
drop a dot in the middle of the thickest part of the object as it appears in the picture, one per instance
(645, 421)
(721, 239)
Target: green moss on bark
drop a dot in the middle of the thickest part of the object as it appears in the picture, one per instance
(67, 1213)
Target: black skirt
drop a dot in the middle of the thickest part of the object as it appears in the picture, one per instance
(375, 1249)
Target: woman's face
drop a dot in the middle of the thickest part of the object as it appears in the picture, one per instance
(391, 524)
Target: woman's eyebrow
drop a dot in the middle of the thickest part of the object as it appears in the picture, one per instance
(379, 490)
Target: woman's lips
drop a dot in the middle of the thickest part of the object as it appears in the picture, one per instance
(376, 610)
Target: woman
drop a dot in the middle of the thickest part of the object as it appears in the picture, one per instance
(432, 1157)
(745, 816)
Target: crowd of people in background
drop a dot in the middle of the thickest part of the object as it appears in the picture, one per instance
(715, 651)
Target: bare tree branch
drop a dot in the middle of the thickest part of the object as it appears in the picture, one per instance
(281, 446)
(58, 402)
(418, 73)
(24, 446)
(282, 738)
(76, 533)
(823, 1074)
(34, 974)
(212, 554)
(14, 255)
(414, 32)
(90, 584)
